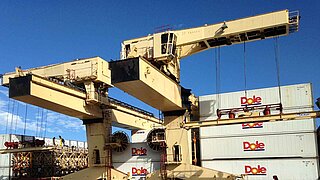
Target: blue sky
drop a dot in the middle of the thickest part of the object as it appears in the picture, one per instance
(37, 33)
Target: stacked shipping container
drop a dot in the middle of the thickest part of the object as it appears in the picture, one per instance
(5, 166)
(5, 170)
(294, 98)
(286, 149)
(137, 160)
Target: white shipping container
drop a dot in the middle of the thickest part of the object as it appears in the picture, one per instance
(16, 138)
(7, 138)
(40, 138)
(80, 144)
(28, 138)
(67, 143)
(4, 160)
(48, 141)
(284, 169)
(139, 136)
(294, 98)
(4, 173)
(136, 152)
(259, 128)
(3, 139)
(137, 170)
(74, 143)
(266, 146)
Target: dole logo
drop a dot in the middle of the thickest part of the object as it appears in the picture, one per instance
(250, 101)
(257, 146)
(139, 172)
(139, 152)
(260, 170)
(252, 125)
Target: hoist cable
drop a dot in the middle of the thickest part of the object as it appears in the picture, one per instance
(37, 117)
(7, 124)
(277, 61)
(41, 122)
(12, 115)
(16, 119)
(46, 121)
(25, 120)
(217, 63)
(245, 68)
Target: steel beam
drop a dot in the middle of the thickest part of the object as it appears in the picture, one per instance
(95, 69)
(47, 94)
(276, 117)
(57, 97)
(142, 80)
(4, 151)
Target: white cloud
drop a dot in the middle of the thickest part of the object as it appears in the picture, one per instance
(51, 122)
(5, 92)
(3, 104)
(10, 121)
(64, 121)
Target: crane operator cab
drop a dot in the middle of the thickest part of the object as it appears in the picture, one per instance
(160, 49)
(168, 46)
(156, 47)
(165, 53)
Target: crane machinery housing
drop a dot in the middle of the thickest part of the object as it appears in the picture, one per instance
(149, 69)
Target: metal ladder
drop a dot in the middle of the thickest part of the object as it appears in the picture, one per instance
(163, 167)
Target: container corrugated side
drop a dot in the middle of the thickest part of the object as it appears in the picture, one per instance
(67, 143)
(3, 139)
(74, 143)
(4, 160)
(4, 173)
(7, 137)
(81, 144)
(259, 128)
(48, 141)
(266, 146)
(294, 98)
(139, 136)
(136, 152)
(28, 138)
(137, 169)
(284, 169)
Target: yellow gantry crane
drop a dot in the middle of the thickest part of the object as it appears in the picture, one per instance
(149, 70)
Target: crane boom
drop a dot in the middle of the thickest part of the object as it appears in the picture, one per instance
(165, 49)
(84, 84)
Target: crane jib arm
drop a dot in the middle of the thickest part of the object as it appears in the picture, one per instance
(181, 43)
(165, 49)
(57, 97)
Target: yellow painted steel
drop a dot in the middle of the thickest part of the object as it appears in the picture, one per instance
(194, 40)
(5, 151)
(57, 97)
(54, 96)
(276, 117)
(93, 173)
(153, 88)
(191, 172)
(94, 69)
